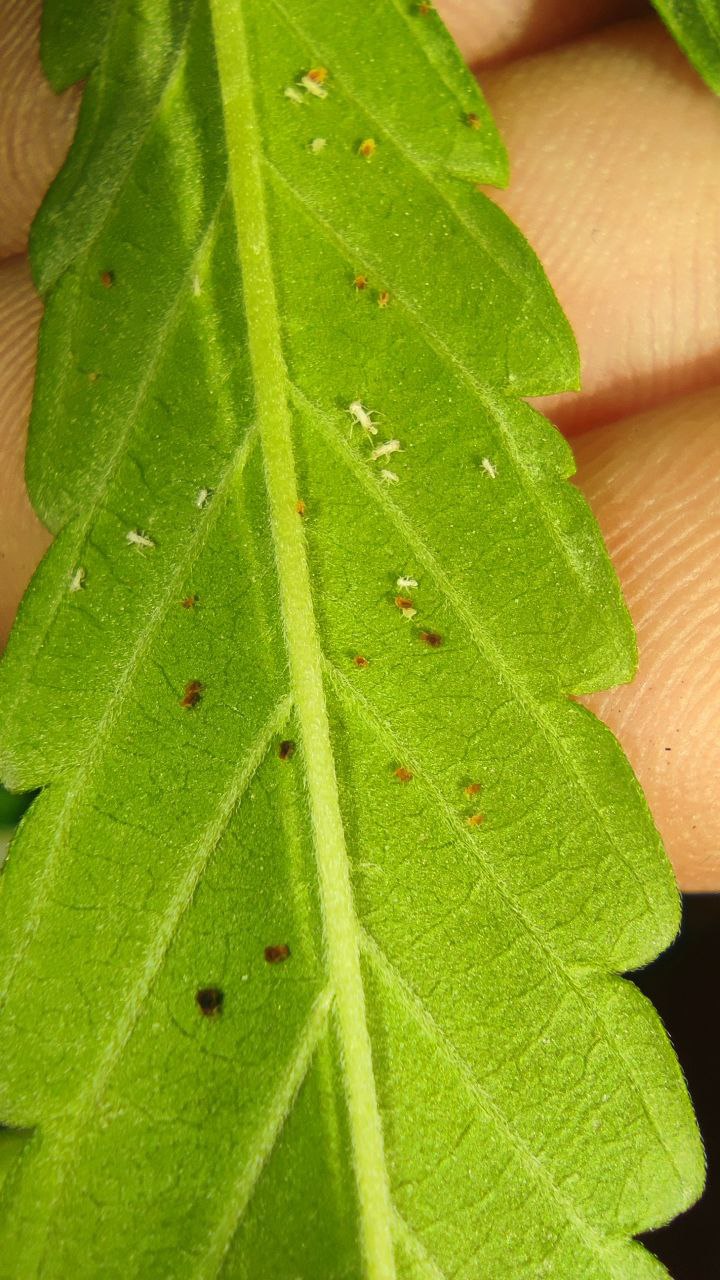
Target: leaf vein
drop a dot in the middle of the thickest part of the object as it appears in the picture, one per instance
(417, 1007)
(67, 1145)
(570, 557)
(267, 1136)
(403, 752)
(82, 527)
(154, 618)
(418, 162)
(517, 686)
(122, 175)
(272, 390)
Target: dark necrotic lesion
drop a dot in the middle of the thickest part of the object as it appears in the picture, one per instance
(209, 1001)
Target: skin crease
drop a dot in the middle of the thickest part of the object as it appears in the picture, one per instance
(615, 151)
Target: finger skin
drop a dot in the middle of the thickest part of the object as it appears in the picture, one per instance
(492, 31)
(22, 538)
(654, 485)
(614, 147)
(36, 126)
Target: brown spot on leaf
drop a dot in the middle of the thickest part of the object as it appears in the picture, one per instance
(286, 750)
(209, 1001)
(277, 953)
(194, 690)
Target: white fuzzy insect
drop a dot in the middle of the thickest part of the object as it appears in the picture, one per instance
(318, 144)
(203, 497)
(135, 538)
(294, 94)
(489, 468)
(313, 87)
(384, 450)
(362, 417)
(407, 583)
(77, 582)
(389, 477)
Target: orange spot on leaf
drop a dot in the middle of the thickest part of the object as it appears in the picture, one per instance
(194, 690)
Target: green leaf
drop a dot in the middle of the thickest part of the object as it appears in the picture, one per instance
(309, 945)
(695, 24)
(12, 808)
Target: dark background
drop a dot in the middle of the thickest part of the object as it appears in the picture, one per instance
(683, 985)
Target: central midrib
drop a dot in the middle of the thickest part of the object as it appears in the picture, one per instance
(244, 143)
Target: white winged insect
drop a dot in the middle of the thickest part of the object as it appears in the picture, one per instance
(362, 417)
(135, 538)
(384, 450)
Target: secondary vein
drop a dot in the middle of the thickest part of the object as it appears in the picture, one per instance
(267, 1137)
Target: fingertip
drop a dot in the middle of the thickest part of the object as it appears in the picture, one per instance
(495, 31)
(653, 482)
(22, 537)
(36, 126)
(614, 145)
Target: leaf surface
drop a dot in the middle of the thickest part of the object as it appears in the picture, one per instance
(309, 943)
(695, 24)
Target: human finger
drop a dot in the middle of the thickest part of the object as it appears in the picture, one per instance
(493, 31)
(614, 145)
(22, 537)
(36, 125)
(654, 484)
